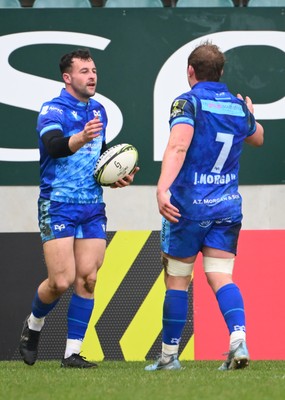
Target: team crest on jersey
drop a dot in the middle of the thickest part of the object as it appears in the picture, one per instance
(177, 108)
(97, 113)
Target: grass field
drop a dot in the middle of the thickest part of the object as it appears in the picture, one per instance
(199, 380)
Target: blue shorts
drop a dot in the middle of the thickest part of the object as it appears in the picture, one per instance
(186, 238)
(82, 221)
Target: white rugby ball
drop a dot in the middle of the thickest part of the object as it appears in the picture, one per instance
(115, 163)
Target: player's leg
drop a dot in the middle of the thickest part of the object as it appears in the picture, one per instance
(218, 265)
(89, 250)
(178, 275)
(89, 255)
(57, 230)
(60, 264)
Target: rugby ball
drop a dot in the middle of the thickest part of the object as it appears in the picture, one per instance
(115, 163)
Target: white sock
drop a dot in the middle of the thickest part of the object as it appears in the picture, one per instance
(73, 346)
(168, 350)
(236, 338)
(35, 324)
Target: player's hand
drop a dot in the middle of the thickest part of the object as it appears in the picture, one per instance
(126, 181)
(248, 102)
(91, 129)
(166, 209)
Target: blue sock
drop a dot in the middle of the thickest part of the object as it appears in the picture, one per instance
(40, 309)
(78, 316)
(232, 307)
(175, 310)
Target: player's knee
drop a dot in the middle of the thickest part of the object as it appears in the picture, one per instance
(60, 285)
(89, 285)
(176, 267)
(223, 265)
(89, 282)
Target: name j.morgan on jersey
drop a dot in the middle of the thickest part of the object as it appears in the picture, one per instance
(217, 179)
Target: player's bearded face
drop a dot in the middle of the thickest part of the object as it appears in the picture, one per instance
(83, 79)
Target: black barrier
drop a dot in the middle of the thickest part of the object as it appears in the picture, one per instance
(22, 269)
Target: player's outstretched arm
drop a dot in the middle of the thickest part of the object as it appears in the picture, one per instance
(91, 130)
(257, 138)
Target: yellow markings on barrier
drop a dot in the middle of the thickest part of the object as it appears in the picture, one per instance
(146, 325)
(120, 255)
(188, 351)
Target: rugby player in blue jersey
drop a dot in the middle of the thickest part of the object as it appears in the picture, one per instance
(203, 211)
(72, 218)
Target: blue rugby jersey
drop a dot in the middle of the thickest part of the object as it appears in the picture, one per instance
(207, 185)
(70, 179)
